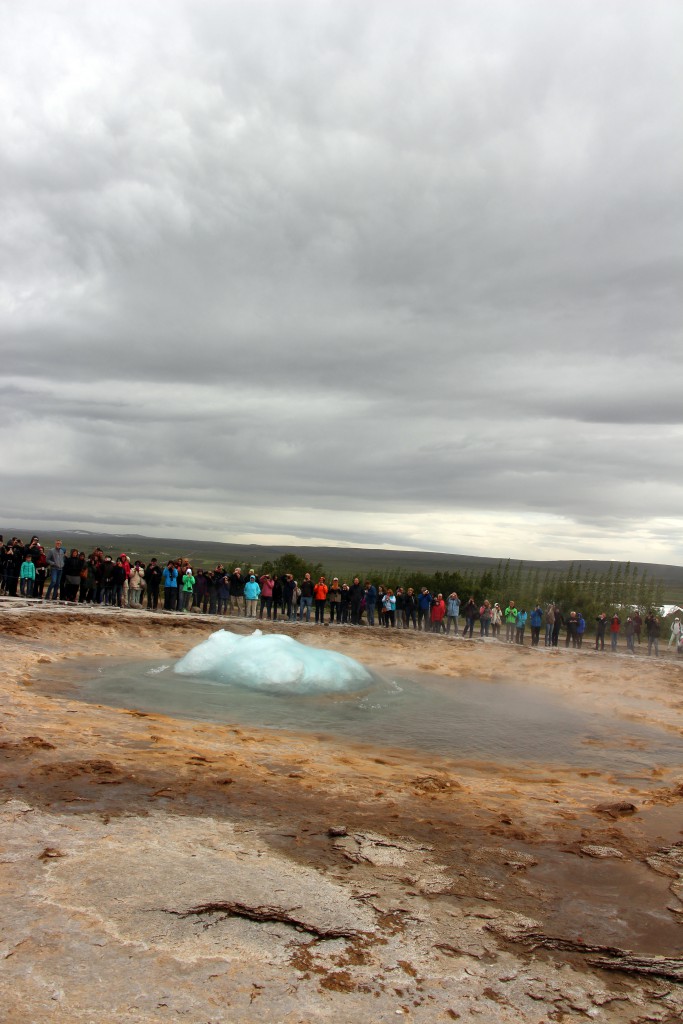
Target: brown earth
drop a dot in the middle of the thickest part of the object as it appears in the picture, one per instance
(158, 869)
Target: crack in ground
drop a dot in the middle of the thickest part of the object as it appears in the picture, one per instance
(262, 914)
(613, 958)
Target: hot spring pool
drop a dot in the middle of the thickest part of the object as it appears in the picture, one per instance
(464, 719)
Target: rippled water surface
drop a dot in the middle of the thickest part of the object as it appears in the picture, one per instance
(469, 719)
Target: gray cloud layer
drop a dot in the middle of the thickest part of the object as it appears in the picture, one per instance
(385, 273)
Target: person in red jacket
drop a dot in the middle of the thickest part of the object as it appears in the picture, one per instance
(614, 627)
(437, 614)
(320, 597)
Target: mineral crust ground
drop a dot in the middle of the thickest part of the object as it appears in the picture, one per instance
(156, 870)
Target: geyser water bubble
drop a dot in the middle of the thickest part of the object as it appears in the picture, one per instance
(275, 663)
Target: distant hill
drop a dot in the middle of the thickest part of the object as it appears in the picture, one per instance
(341, 561)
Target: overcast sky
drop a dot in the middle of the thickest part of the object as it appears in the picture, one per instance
(392, 273)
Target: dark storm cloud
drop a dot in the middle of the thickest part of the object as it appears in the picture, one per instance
(384, 268)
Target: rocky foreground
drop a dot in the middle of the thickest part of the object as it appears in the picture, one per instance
(158, 870)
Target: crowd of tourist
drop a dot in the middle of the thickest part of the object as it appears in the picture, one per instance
(28, 570)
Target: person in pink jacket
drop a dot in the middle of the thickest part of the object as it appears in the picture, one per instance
(267, 584)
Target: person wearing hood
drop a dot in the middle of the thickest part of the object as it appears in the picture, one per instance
(252, 592)
(187, 591)
(675, 632)
(437, 614)
(170, 578)
(223, 594)
(536, 621)
(496, 620)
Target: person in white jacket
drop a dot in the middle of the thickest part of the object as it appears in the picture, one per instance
(136, 584)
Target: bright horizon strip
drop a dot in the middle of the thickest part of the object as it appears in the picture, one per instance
(523, 537)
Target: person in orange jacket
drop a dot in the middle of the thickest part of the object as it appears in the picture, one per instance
(320, 596)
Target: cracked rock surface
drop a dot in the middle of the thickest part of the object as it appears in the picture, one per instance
(156, 870)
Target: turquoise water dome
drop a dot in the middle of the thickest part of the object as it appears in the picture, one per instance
(273, 663)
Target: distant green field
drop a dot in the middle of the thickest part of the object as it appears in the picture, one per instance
(343, 562)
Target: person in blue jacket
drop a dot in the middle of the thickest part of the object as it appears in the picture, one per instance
(536, 621)
(252, 592)
(520, 626)
(370, 602)
(424, 608)
(581, 629)
(170, 578)
(452, 612)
